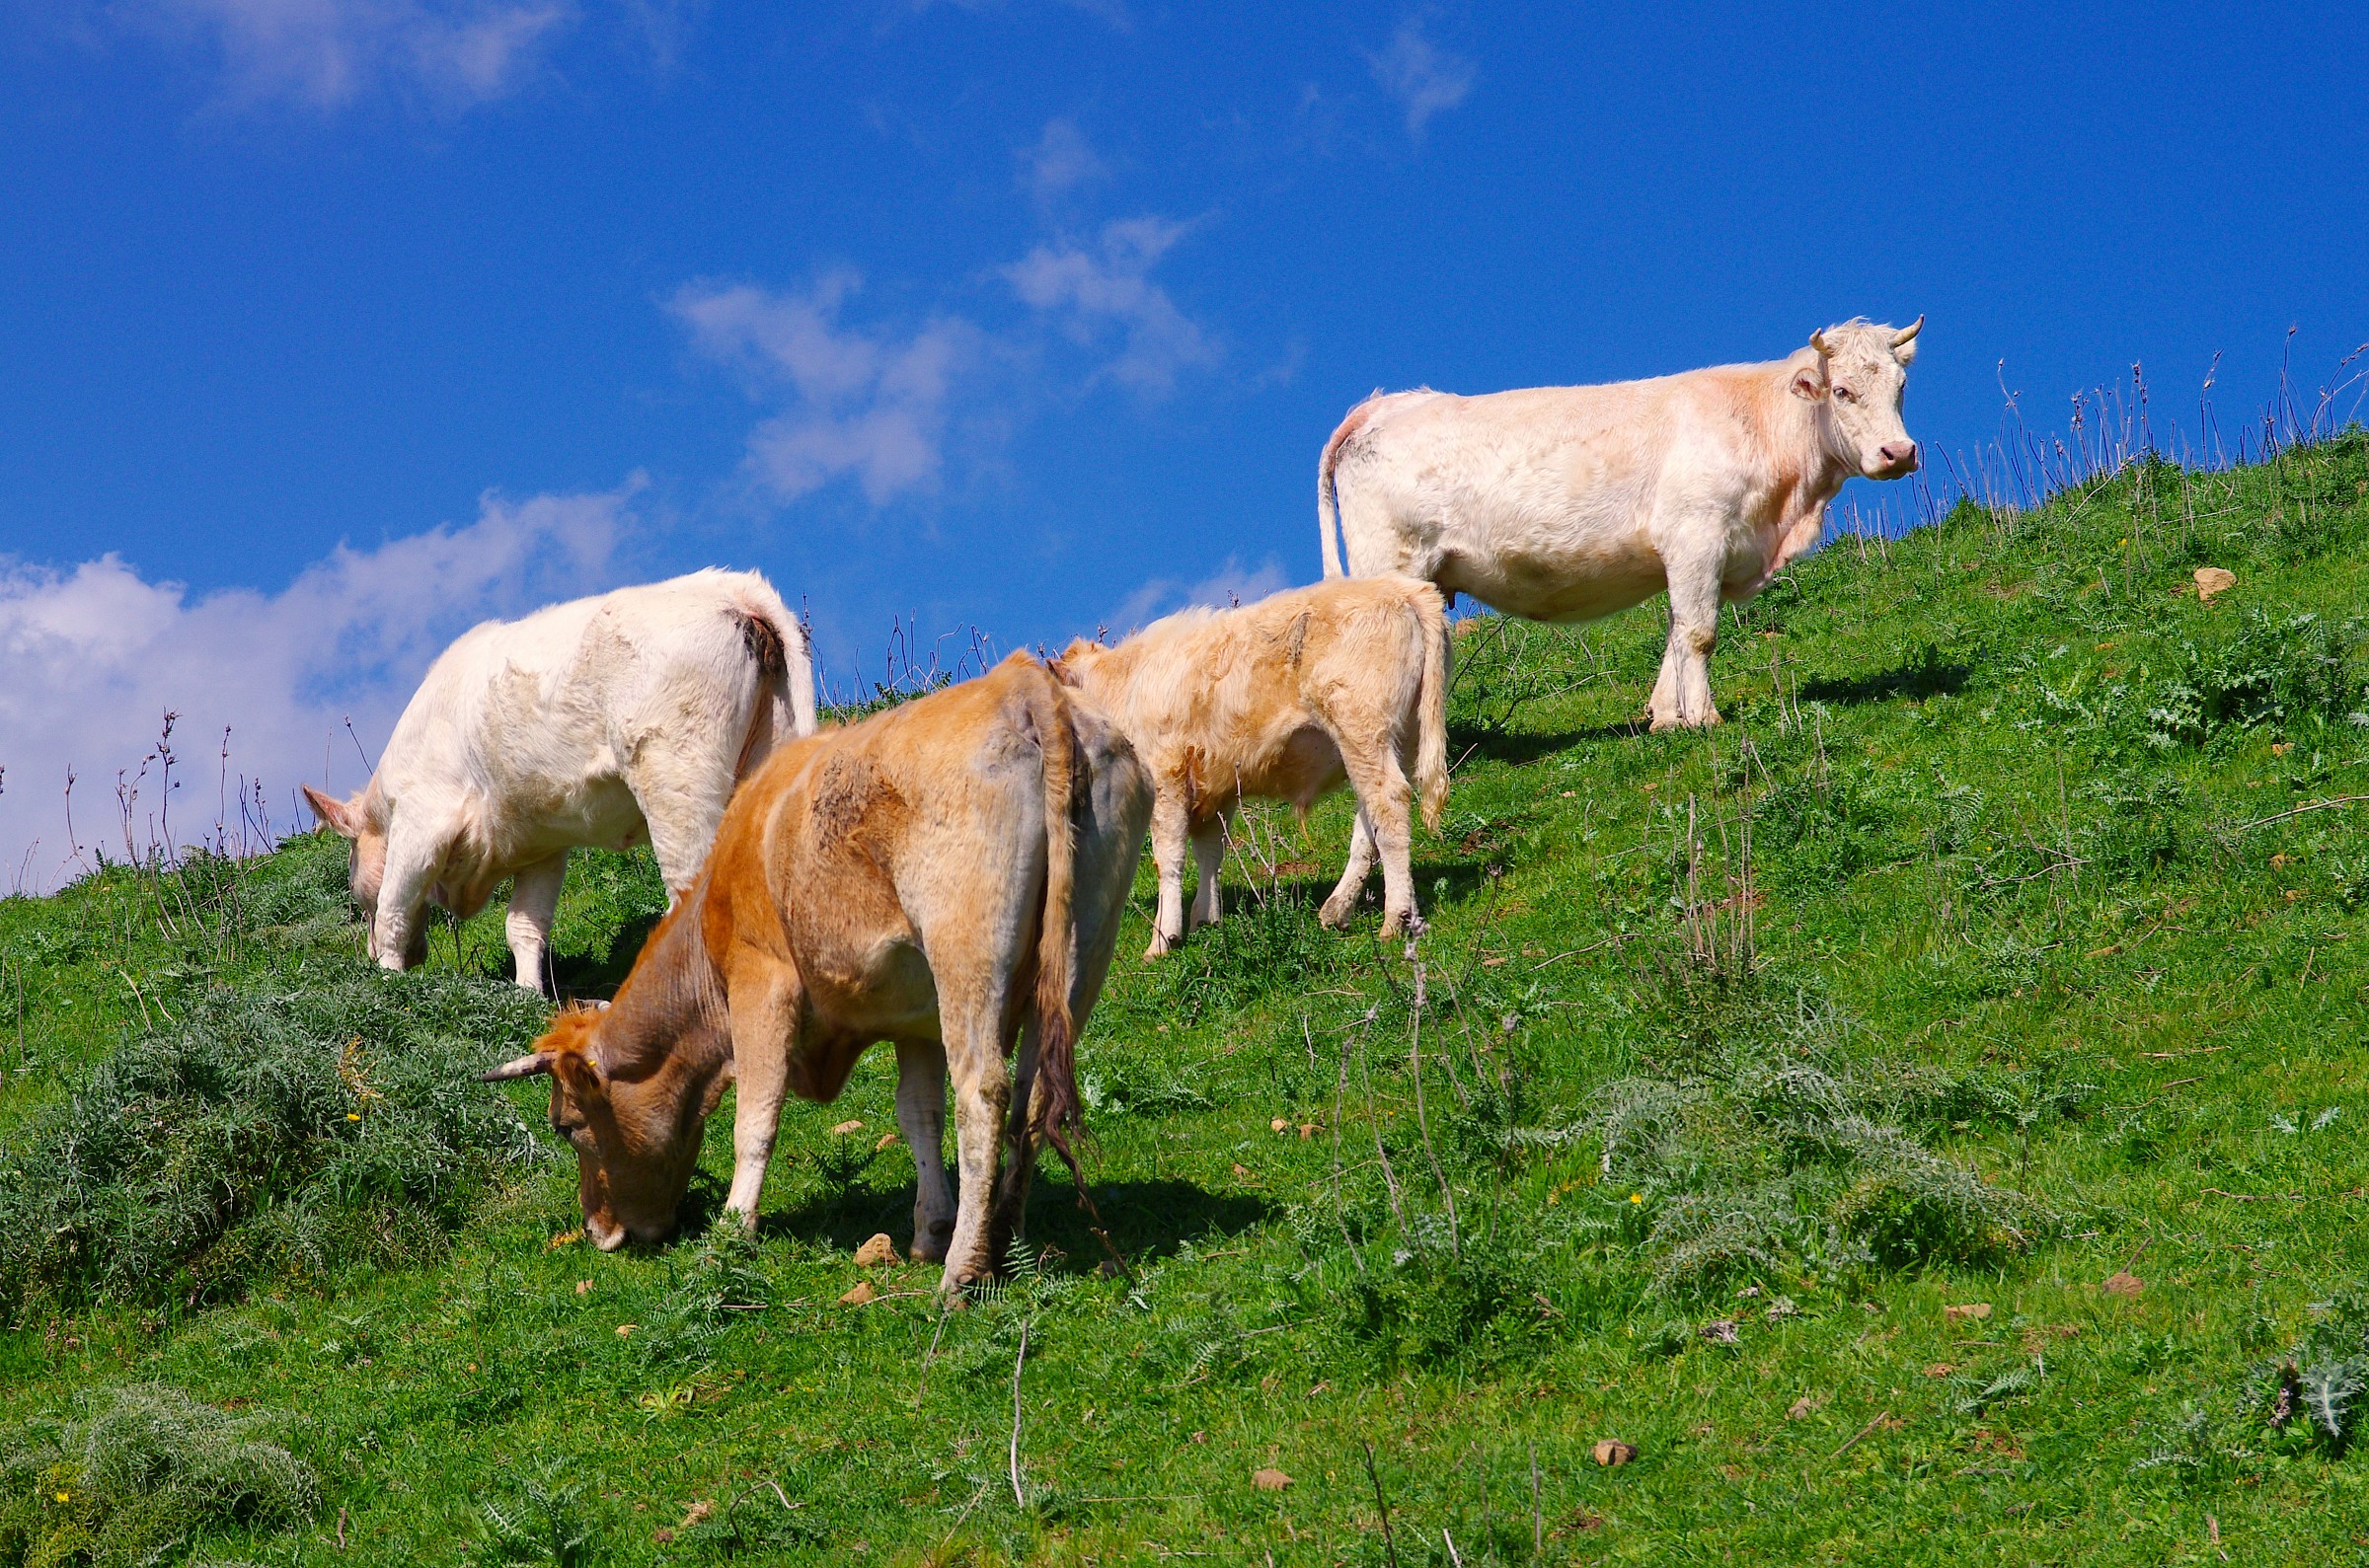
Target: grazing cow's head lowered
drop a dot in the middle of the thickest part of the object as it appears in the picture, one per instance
(635, 1140)
(362, 825)
(1859, 371)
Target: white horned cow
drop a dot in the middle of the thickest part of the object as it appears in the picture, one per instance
(1566, 503)
(948, 875)
(625, 715)
(1283, 699)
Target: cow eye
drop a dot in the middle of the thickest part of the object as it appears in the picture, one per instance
(1846, 394)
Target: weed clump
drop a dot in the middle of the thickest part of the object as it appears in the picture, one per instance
(265, 1134)
(142, 1473)
(2311, 1394)
(1776, 1155)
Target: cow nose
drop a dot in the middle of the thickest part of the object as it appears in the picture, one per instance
(1901, 455)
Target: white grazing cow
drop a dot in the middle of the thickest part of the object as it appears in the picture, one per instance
(625, 715)
(1285, 698)
(1566, 503)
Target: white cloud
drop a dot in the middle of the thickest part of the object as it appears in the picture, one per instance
(1424, 77)
(870, 405)
(1104, 288)
(326, 54)
(1225, 588)
(96, 653)
(1061, 161)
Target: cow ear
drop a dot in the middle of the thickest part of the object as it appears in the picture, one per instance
(579, 1073)
(335, 815)
(1906, 352)
(1809, 381)
(1058, 668)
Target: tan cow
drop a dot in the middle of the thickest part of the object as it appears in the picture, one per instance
(948, 875)
(1285, 698)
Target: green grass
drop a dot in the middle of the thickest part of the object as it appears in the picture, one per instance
(2008, 939)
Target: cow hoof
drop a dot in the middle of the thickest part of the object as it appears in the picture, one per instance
(1334, 915)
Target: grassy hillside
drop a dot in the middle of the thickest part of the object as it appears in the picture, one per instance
(1917, 1117)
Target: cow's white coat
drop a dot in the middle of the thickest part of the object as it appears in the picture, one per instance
(600, 721)
(1566, 503)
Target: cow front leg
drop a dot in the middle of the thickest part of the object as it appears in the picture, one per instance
(534, 899)
(399, 925)
(1170, 834)
(974, 1059)
(765, 1007)
(1682, 693)
(1209, 861)
(921, 1117)
(1343, 903)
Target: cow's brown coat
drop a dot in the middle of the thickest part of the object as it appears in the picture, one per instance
(947, 876)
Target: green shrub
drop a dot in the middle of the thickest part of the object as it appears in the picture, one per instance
(266, 1134)
(138, 1476)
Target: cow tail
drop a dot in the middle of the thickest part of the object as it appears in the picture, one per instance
(1327, 494)
(782, 698)
(1054, 1112)
(1432, 706)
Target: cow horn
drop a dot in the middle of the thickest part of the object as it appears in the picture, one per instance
(528, 1066)
(1909, 332)
(1818, 341)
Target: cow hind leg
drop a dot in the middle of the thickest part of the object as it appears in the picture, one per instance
(1019, 1150)
(921, 1117)
(1343, 902)
(971, 1017)
(1385, 802)
(534, 898)
(682, 790)
(1209, 861)
(1170, 834)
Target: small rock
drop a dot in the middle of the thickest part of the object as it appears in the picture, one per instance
(876, 1252)
(844, 1127)
(2125, 1285)
(1974, 1310)
(1612, 1451)
(1269, 1480)
(2211, 581)
(859, 1295)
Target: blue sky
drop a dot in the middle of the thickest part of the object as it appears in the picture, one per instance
(329, 326)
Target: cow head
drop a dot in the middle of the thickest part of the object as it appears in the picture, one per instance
(360, 822)
(635, 1140)
(1858, 371)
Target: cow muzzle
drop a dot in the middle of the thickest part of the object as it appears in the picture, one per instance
(1893, 460)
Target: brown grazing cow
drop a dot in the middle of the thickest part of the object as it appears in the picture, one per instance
(948, 875)
(1285, 698)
